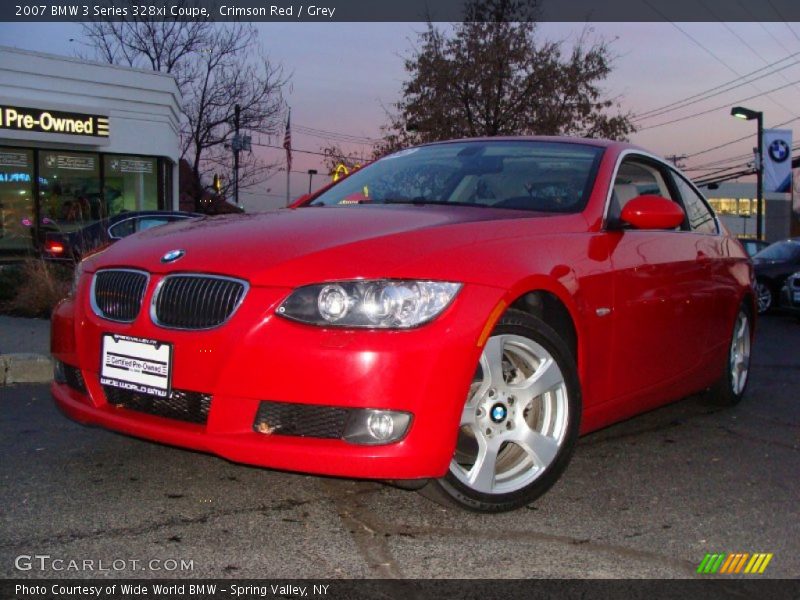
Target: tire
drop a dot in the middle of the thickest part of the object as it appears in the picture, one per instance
(765, 299)
(730, 388)
(520, 433)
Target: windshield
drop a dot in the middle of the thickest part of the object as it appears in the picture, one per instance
(522, 175)
(780, 251)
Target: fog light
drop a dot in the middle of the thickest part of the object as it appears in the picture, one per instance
(368, 426)
(380, 426)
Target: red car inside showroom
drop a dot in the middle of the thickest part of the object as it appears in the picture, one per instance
(450, 317)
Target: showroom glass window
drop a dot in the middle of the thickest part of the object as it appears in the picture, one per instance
(16, 200)
(69, 190)
(131, 183)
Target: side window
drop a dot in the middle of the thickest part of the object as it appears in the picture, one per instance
(699, 216)
(635, 178)
(121, 229)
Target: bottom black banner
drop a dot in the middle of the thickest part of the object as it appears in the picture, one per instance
(296, 589)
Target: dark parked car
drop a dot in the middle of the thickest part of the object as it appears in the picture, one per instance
(790, 294)
(773, 265)
(752, 246)
(73, 245)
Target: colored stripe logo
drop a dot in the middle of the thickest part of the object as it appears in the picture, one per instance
(732, 563)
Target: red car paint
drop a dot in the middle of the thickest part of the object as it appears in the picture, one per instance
(672, 297)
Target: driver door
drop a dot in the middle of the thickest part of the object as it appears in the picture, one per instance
(657, 277)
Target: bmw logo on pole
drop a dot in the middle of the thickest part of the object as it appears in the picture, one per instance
(779, 151)
(172, 256)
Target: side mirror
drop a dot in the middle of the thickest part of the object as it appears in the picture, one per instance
(652, 212)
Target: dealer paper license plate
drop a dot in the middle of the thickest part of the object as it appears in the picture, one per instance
(136, 364)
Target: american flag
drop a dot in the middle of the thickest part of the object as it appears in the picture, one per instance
(287, 142)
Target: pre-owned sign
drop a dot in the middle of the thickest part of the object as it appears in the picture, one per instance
(19, 118)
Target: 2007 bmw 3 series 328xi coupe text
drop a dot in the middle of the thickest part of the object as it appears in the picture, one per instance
(450, 317)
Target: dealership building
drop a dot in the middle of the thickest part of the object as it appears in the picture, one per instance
(81, 141)
(735, 205)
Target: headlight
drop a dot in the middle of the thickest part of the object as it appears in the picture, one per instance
(385, 304)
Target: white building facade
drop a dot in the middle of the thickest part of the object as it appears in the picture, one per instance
(81, 141)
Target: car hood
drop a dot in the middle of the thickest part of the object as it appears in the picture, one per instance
(290, 246)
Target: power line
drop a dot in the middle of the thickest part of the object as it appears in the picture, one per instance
(716, 108)
(345, 137)
(705, 95)
(749, 47)
(707, 50)
(725, 144)
(263, 145)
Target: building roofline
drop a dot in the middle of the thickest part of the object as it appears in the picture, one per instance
(81, 61)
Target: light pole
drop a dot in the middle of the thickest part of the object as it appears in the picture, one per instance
(311, 173)
(740, 112)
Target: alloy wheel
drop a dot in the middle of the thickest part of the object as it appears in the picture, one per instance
(764, 297)
(739, 360)
(515, 419)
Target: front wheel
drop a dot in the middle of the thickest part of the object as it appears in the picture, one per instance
(519, 423)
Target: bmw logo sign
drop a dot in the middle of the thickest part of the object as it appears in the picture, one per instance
(779, 151)
(172, 256)
(498, 413)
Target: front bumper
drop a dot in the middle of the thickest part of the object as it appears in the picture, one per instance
(257, 356)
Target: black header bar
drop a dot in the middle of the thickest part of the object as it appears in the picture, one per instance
(281, 11)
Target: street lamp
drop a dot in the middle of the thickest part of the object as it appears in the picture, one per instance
(311, 173)
(740, 112)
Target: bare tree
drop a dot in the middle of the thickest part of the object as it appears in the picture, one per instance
(216, 66)
(493, 76)
(335, 156)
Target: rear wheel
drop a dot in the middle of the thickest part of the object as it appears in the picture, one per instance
(519, 423)
(730, 388)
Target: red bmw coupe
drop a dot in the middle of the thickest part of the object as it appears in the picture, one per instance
(451, 317)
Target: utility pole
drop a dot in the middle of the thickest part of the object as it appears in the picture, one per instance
(676, 159)
(237, 146)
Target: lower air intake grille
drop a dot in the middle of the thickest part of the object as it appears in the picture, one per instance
(305, 420)
(74, 379)
(186, 301)
(191, 407)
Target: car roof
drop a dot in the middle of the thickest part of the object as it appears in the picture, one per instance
(597, 142)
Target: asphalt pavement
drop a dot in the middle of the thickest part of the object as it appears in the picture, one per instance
(645, 498)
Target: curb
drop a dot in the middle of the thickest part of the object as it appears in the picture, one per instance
(25, 368)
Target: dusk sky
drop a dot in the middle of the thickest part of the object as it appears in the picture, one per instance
(344, 74)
